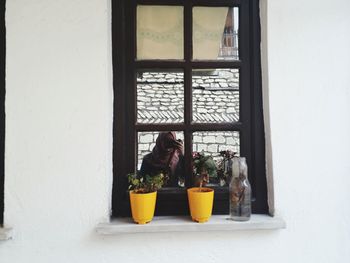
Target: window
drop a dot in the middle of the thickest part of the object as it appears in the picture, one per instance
(2, 107)
(191, 67)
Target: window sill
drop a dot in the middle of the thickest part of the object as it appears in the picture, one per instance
(184, 224)
(5, 234)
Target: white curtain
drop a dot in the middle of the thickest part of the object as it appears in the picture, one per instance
(208, 27)
(160, 32)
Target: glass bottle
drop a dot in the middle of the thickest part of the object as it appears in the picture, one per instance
(240, 191)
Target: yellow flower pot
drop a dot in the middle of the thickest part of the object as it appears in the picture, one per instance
(142, 206)
(201, 203)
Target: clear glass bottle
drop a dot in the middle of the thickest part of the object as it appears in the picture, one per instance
(240, 191)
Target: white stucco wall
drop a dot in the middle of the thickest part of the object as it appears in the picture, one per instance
(59, 135)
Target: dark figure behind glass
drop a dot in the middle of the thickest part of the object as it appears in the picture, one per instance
(166, 156)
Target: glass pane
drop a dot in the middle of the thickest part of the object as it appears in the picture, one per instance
(160, 97)
(215, 95)
(212, 143)
(159, 32)
(215, 33)
(162, 151)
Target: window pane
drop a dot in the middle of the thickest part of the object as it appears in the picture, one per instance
(215, 33)
(160, 97)
(215, 95)
(212, 143)
(157, 151)
(159, 32)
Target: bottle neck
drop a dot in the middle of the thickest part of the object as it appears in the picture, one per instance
(239, 168)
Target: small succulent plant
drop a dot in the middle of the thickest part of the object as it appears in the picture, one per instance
(146, 184)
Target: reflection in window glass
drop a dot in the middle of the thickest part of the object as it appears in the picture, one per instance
(159, 32)
(215, 33)
(215, 95)
(162, 151)
(160, 97)
(212, 143)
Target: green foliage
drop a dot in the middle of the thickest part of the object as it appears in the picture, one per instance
(225, 164)
(204, 164)
(203, 168)
(147, 183)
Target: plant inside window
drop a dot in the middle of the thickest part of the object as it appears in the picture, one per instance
(204, 167)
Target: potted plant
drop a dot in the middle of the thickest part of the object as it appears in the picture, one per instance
(201, 198)
(224, 166)
(143, 195)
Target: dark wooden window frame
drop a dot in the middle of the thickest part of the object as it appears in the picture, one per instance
(173, 201)
(2, 106)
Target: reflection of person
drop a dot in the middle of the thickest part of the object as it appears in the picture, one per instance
(166, 156)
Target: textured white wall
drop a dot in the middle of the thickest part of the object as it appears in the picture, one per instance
(58, 139)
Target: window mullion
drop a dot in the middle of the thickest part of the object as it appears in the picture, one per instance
(119, 122)
(160, 127)
(216, 64)
(159, 64)
(225, 126)
(2, 105)
(258, 136)
(130, 89)
(188, 91)
(245, 87)
(193, 2)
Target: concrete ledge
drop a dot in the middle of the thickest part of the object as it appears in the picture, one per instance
(5, 234)
(184, 224)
